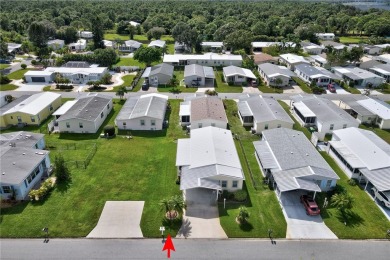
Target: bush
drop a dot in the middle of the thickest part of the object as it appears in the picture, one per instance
(240, 195)
(109, 130)
(318, 90)
(33, 62)
(43, 191)
(24, 66)
(64, 87)
(211, 92)
(352, 182)
(4, 79)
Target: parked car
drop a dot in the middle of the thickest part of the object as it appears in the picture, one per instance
(145, 86)
(332, 88)
(254, 83)
(310, 205)
(382, 197)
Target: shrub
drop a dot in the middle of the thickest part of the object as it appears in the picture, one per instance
(352, 182)
(4, 79)
(24, 66)
(106, 79)
(211, 92)
(33, 62)
(109, 130)
(61, 170)
(43, 191)
(240, 195)
(243, 215)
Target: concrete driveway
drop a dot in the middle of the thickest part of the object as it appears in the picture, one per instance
(201, 219)
(300, 225)
(292, 89)
(339, 90)
(119, 219)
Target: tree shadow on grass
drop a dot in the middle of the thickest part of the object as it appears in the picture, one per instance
(16, 209)
(246, 227)
(350, 218)
(63, 186)
(172, 226)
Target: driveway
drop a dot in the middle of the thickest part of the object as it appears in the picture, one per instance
(201, 219)
(339, 90)
(119, 219)
(300, 225)
(292, 89)
(250, 90)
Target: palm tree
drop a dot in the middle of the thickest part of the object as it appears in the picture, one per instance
(121, 92)
(173, 207)
(342, 201)
(243, 215)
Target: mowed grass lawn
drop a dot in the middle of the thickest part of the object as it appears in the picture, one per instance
(17, 74)
(140, 169)
(353, 39)
(181, 86)
(4, 87)
(263, 206)
(222, 87)
(4, 66)
(129, 62)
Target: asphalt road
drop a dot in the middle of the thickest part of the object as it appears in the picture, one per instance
(192, 249)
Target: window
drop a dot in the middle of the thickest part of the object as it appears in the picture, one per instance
(279, 125)
(200, 125)
(50, 107)
(101, 115)
(212, 124)
(81, 125)
(328, 183)
(266, 126)
(331, 127)
(344, 125)
(67, 125)
(32, 119)
(224, 184)
(318, 182)
(153, 122)
(7, 189)
(142, 122)
(124, 123)
(235, 184)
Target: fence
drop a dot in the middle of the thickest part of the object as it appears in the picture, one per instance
(75, 146)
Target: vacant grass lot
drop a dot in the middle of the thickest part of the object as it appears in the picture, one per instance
(142, 168)
(4, 66)
(130, 62)
(17, 74)
(127, 80)
(353, 39)
(4, 87)
(263, 206)
(222, 87)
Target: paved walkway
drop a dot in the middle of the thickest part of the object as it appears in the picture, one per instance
(201, 219)
(119, 219)
(300, 225)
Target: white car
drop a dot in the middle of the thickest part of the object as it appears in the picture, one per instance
(382, 197)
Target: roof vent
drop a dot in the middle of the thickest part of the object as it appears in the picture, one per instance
(307, 154)
(292, 152)
(86, 110)
(14, 163)
(24, 153)
(41, 153)
(3, 173)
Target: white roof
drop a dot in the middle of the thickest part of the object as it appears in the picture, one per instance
(66, 70)
(213, 44)
(377, 107)
(107, 43)
(305, 111)
(157, 43)
(292, 58)
(64, 108)
(185, 109)
(13, 46)
(325, 34)
(207, 56)
(56, 41)
(267, 44)
(234, 70)
(384, 57)
(359, 73)
(79, 42)
(35, 103)
(38, 73)
(134, 23)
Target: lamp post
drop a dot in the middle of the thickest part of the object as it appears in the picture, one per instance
(162, 229)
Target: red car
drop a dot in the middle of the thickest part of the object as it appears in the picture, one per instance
(310, 205)
(332, 88)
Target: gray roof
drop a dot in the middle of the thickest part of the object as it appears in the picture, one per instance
(311, 71)
(150, 105)
(133, 44)
(13, 104)
(76, 64)
(271, 69)
(18, 162)
(208, 108)
(351, 101)
(198, 70)
(87, 108)
(20, 139)
(162, 68)
(263, 109)
(325, 110)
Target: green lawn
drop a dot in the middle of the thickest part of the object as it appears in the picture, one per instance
(302, 85)
(265, 211)
(267, 89)
(382, 133)
(120, 170)
(297, 125)
(4, 87)
(4, 66)
(353, 39)
(171, 48)
(114, 36)
(17, 74)
(222, 87)
(179, 76)
(128, 79)
(130, 62)
(365, 220)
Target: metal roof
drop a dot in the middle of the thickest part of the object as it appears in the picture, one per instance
(213, 44)
(377, 107)
(133, 44)
(296, 179)
(379, 178)
(271, 69)
(234, 70)
(356, 73)
(64, 108)
(162, 68)
(34, 104)
(265, 154)
(207, 108)
(263, 109)
(292, 58)
(15, 102)
(315, 72)
(198, 178)
(157, 43)
(304, 110)
(198, 70)
(150, 105)
(205, 57)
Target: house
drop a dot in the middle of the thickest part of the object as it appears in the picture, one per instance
(130, 46)
(146, 112)
(384, 58)
(3, 99)
(237, 75)
(372, 49)
(259, 46)
(216, 47)
(14, 48)
(108, 44)
(157, 44)
(275, 75)
(86, 34)
(198, 76)
(76, 75)
(86, 115)
(262, 113)
(357, 76)
(23, 163)
(311, 48)
(29, 110)
(80, 45)
(335, 45)
(382, 70)
(209, 159)
(322, 113)
(291, 60)
(356, 110)
(207, 59)
(182, 48)
(56, 44)
(260, 58)
(318, 60)
(135, 24)
(292, 163)
(326, 36)
(363, 156)
(158, 75)
(202, 112)
(367, 63)
(380, 109)
(320, 76)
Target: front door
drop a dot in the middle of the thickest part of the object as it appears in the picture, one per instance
(19, 119)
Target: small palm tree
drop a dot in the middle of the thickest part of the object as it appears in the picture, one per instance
(342, 201)
(243, 215)
(173, 207)
(121, 92)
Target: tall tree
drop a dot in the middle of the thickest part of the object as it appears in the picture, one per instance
(183, 33)
(61, 170)
(40, 32)
(3, 50)
(156, 33)
(98, 33)
(105, 57)
(239, 39)
(147, 55)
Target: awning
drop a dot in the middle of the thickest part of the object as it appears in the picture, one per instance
(265, 154)
(304, 110)
(379, 178)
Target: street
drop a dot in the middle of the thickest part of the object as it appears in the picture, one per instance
(192, 249)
